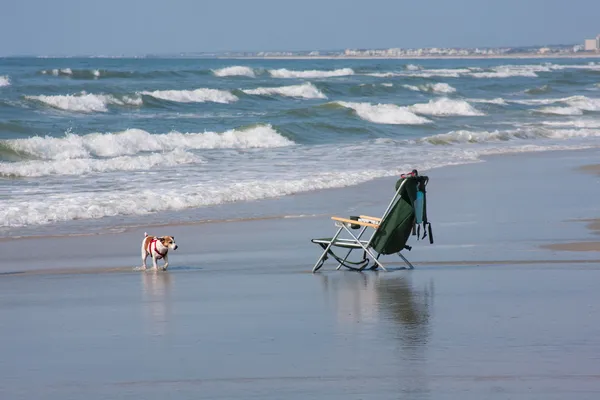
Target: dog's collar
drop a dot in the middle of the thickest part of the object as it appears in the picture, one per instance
(160, 255)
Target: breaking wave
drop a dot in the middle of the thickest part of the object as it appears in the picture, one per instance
(413, 67)
(83, 166)
(539, 90)
(305, 91)
(465, 136)
(136, 201)
(4, 80)
(498, 101)
(432, 88)
(445, 107)
(235, 71)
(201, 95)
(74, 73)
(575, 105)
(134, 141)
(86, 102)
(385, 113)
(286, 73)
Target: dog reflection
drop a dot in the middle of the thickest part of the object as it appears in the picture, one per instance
(156, 287)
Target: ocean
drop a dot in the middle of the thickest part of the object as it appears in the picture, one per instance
(102, 143)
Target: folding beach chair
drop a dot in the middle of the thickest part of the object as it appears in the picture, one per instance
(404, 216)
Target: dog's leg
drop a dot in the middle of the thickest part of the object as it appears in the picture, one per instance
(144, 256)
(166, 262)
(154, 265)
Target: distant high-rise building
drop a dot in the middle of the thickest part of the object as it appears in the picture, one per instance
(592, 44)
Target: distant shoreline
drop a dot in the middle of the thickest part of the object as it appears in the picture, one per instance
(468, 57)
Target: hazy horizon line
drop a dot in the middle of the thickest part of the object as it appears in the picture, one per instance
(216, 52)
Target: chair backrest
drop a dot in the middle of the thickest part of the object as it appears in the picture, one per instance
(398, 221)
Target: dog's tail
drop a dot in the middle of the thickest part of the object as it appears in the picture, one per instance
(145, 234)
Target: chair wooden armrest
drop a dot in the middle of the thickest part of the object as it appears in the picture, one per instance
(351, 221)
(371, 218)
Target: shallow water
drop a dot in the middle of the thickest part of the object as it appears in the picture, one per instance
(493, 332)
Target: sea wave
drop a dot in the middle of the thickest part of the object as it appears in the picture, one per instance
(531, 132)
(4, 80)
(286, 73)
(305, 91)
(201, 95)
(236, 70)
(539, 90)
(432, 88)
(560, 110)
(445, 107)
(84, 166)
(74, 73)
(86, 102)
(134, 141)
(95, 205)
(413, 67)
(575, 105)
(498, 101)
(578, 123)
(385, 113)
(511, 71)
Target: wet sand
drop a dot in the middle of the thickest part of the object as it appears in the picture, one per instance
(591, 224)
(489, 312)
(592, 168)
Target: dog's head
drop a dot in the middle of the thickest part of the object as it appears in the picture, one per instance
(168, 241)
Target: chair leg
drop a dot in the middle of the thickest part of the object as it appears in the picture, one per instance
(350, 251)
(410, 266)
(344, 260)
(321, 260)
(373, 257)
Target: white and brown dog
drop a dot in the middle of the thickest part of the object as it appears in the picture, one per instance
(157, 248)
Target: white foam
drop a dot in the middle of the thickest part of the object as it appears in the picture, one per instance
(583, 103)
(136, 201)
(510, 71)
(236, 70)
(4, 80)
(201, 95)
(386, 84)
(424, 73)
(498, 101)
(431, 87)
(503, 71)
(286, 73)
(86, 102)
(413, 67)
(83, 166)
(133, 141)
(305, 91)
(385, 113)
(465, 136)
(96, 73)
(445, 107)
(560, 110)
(576, 105)
(579, 123)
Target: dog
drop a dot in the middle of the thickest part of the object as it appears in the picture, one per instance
(157, 248)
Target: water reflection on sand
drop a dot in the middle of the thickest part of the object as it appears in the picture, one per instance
(389, 311)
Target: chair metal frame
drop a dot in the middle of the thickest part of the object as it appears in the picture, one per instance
(345, 224)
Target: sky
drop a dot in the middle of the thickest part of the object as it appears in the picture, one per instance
(135, 27)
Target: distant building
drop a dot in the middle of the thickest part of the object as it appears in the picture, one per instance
(592, 44)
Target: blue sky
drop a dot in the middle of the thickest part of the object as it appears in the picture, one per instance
(111, 27)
